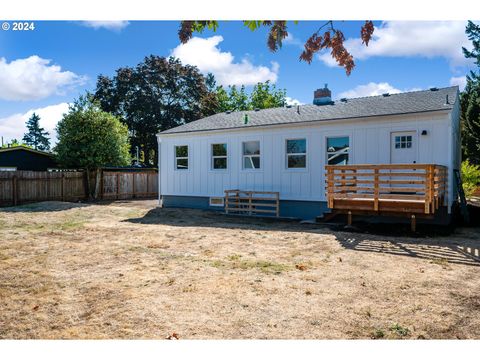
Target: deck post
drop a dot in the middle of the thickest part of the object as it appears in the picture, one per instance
(429, 189)
(278, 204)
(376, 190)
(330, 186)
(349, 218)
(413, 223)
(249, 203)
(226, 202)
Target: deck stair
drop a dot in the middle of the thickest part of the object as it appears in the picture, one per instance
(252, 202)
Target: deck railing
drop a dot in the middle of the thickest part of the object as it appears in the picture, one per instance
(408, 188)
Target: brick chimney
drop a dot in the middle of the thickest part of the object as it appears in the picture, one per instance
(322, 96)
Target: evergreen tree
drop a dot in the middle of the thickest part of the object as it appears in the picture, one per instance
(470, 100)
(36, 135)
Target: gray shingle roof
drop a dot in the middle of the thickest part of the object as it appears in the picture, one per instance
(403, 103)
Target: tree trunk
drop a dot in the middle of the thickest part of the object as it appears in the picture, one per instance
(97, 183)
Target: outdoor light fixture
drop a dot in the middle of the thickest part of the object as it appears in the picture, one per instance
(424, 132)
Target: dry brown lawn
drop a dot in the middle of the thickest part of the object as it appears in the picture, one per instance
(129, 270)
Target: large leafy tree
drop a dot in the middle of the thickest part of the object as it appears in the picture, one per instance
(326, 37)
(156, 95)
(36, 136)
(470, 100)
(91, 138)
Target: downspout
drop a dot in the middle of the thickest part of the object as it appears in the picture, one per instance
(160, 199)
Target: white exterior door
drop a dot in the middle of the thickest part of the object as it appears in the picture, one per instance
(403, 147)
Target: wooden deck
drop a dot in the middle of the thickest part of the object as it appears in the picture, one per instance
(390, 189)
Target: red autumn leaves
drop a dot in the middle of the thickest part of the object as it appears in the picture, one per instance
(332, 39)
(335, 43)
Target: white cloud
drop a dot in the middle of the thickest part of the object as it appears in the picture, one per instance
(13, 126)
(207, 56)
(461, 81)
(292, 101)
(33, 78)
(292, 40)
(370, 89)
(109, 25)
(426, 39)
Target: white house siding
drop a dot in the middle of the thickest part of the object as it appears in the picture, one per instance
(369, 143)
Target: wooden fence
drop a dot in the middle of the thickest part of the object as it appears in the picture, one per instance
(128, 185)
(20, 187)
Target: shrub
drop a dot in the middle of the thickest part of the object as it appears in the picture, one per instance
(470, 177)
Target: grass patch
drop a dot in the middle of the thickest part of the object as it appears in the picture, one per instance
(378, 334)
(399, 330)
(235, 262)
(69, 225)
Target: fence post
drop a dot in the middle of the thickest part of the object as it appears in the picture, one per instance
(133, 185)
(118, 185)
(14, 190)
(101, 184)
(63, 187)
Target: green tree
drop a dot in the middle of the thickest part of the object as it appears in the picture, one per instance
(263, 96)
(36, 136)
(90, 138)
(14, 142)
(156, 95)
(470, 100)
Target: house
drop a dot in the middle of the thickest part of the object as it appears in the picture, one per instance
(23, 158)
(371, 152)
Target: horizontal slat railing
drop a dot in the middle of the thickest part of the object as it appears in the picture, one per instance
(252, 202)
(424, 186)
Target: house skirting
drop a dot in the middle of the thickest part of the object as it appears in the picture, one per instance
(288, 208)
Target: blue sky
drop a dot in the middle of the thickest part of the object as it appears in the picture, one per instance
(48, 67)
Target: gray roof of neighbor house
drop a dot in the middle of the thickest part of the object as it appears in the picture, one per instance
(393, 104)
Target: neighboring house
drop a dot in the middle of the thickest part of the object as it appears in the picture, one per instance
(24, 158)
(286, 149)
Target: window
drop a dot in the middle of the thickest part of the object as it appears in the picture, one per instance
(251, 155)
(219, 156)
(216, 201)
(296, 150)
(338, 149)
(181, 157)
(403, 142)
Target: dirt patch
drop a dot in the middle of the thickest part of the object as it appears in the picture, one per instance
(130, 270)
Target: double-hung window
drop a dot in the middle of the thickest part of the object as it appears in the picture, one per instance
(338, 150)
(219, 156)
(296, 150)
(251, 154)
(181, 157)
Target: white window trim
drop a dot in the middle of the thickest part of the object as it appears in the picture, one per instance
(251, 156)
(336, 137)
(181, 158)
(212, 157)
(216, 197)
(287, 154)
